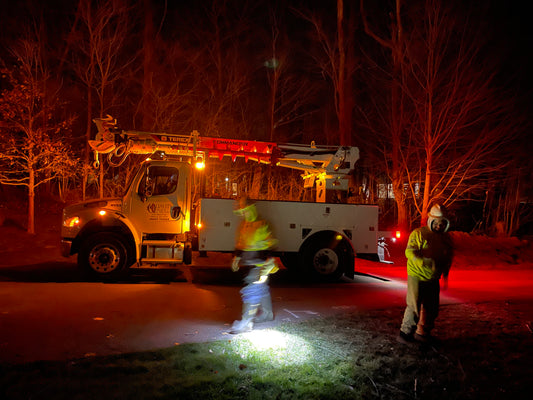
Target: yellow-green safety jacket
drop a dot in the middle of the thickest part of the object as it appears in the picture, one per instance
(429, 254)
(254, 234)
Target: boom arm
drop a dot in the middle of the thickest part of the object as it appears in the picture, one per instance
(329, 166)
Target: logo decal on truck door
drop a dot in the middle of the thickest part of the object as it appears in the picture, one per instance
(158, 211)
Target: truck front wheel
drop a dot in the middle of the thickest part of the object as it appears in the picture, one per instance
(326, 256)
(104, 255)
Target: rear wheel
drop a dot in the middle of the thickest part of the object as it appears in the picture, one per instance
(104, 255)
(326, 256)
(290, 260)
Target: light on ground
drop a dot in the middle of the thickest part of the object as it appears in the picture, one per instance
(274, 347)
(267, 339)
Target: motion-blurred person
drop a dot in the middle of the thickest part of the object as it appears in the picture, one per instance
(253, 247)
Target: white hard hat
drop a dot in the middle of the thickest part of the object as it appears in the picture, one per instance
(437, 213)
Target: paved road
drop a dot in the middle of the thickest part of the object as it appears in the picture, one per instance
(50, 312)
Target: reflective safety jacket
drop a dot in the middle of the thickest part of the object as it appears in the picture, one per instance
(429, 254)
(254, 236)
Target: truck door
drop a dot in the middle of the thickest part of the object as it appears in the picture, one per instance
(156, 205)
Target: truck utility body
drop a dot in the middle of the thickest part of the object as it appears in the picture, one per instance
(292, 223)
(318, 239)
(158, 224)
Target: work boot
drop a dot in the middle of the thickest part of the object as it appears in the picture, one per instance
(246, 324)
(421, 338)
(427, 339)
(266, 310)
(405, 338)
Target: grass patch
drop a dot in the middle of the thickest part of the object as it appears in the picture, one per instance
(352, 356)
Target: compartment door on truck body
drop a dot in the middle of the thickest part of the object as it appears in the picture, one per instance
(159, 200)
(219, 225)
(294, 222)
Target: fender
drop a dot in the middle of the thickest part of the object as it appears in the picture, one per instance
(113, 221)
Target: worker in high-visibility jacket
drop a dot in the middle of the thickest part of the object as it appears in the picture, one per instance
(253, 247)
(429, 255)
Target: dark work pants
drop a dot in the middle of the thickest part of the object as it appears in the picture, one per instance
(255, 289)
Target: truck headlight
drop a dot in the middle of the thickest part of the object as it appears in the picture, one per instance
(71, 222)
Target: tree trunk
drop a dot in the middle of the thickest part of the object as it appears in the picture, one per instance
(31, 203)
(273, 95)
(87, 159)
(344, 85)
(257, 182)
(101, 180)
(427, 192)
(148, 49)
(401, 203)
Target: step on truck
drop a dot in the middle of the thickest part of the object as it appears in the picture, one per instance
(158, 223)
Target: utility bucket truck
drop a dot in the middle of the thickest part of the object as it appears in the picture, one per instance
(158, 223)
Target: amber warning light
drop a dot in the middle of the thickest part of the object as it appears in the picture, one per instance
(397, 236)
(200, 164)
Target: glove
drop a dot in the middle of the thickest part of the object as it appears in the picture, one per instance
(235, 264)
(269, 267)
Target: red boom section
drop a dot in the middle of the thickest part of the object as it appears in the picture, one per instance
(263, 152)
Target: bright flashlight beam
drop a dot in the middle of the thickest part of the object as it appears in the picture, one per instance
(274, 347)
(266, 339)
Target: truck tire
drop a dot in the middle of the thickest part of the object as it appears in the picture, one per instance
(290, 260)
(326, 256)
(104, 255)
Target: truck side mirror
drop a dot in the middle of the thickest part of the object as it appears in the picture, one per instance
(146, 186)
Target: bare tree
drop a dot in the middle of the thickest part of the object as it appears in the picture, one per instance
(33, 150)
(391, 132)
(148, 53)
(221, 105)
(340, 63)
(99, 60)
(463, 125)
(292, 96)
(449, 120)
(170, 89)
